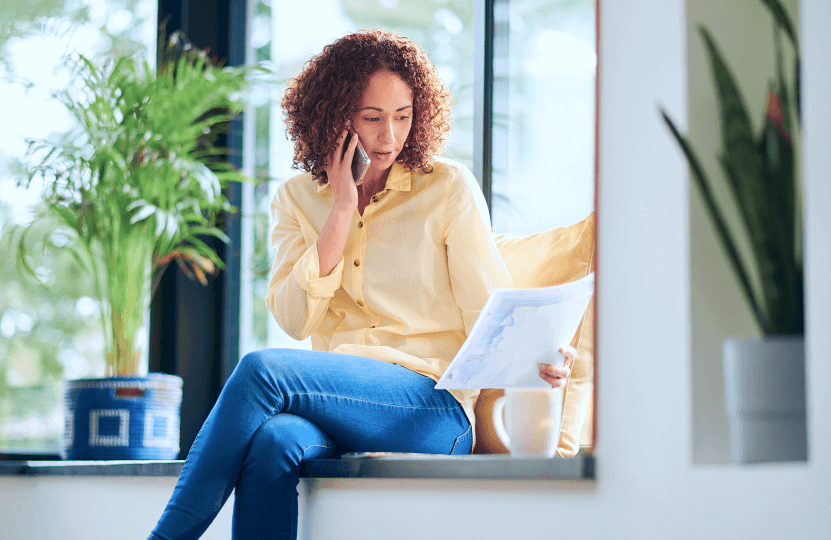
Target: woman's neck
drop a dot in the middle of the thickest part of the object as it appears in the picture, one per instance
(370, 186)
(373, 184)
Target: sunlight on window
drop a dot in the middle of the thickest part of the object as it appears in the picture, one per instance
(544, 84)
(561, 53)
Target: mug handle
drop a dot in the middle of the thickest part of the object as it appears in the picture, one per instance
(498, 424)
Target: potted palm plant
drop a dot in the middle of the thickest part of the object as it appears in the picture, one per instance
(764, 379)
(136, 186)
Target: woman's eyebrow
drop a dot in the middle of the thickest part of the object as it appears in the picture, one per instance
(382, 110)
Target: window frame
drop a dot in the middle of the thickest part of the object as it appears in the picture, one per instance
(194, 329)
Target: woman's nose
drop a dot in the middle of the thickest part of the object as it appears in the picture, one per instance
(387, 134)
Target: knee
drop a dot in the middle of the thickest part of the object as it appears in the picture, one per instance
(268, 372)
(250, 365)
(281, 442)
(253, 376)
(267, 361)
(258, 366)
(271, 445)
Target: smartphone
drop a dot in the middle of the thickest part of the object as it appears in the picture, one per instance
(360, 161)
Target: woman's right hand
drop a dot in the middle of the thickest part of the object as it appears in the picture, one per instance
(332, 239)
(339, 174)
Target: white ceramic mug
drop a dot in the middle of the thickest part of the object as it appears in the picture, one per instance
(532, 421)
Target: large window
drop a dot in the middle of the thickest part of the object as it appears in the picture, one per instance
(279, 33)
(48, 333)
(543, 125)
(542, 122)
(537, 117)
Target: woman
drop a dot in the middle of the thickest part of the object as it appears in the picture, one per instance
(386, 277)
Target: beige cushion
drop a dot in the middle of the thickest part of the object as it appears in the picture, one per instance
(541, 260)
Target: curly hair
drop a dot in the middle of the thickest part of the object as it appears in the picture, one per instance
(319, 101)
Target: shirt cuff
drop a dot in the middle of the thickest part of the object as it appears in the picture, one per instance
(306, 273)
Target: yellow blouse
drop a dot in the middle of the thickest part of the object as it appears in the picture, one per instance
(417, 269)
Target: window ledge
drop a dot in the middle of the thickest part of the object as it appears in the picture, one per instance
(580, 467)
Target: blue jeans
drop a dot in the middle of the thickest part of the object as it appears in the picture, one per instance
(281, 406)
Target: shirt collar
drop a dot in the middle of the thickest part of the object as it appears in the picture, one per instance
(400, 178)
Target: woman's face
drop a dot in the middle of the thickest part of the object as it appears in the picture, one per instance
(384, 118)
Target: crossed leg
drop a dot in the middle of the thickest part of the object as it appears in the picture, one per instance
(283, 405)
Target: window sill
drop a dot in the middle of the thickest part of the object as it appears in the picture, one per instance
(580, 467)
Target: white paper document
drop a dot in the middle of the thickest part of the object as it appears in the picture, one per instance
(516, 330)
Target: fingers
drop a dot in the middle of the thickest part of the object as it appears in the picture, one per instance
(336, 155)
(555, 382)
(557, 376)
(340, 159)
(353, 143)
(570, 353)
(339, 173)
(558, 372)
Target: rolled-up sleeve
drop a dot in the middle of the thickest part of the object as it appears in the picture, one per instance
(297, 296)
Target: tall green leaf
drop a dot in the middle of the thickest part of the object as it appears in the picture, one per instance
(700, 179)
(761, 180)
(780, 16)
(739, 158)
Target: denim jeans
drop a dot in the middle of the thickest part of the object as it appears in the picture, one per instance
(281, 406)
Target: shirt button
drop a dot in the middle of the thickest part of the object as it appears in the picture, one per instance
(360, 224)
(357, 262)
(360, 304)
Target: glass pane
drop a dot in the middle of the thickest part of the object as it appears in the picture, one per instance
(279, 32)
(48, 333)
(544, 121)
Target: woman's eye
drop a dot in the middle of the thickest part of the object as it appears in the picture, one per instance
(372, 119)
(403, 117)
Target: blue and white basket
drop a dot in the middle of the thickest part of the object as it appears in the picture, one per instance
(122, 418)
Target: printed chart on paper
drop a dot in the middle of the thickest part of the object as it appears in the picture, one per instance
(518, 329)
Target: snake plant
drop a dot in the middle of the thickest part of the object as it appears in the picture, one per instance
(760, 172)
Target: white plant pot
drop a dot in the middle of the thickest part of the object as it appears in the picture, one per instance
(764, 383)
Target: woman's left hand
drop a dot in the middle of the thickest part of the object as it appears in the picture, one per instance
(557, 376)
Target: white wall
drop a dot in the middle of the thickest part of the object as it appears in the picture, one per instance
(743, 30)
(72, 508)
(647, 486)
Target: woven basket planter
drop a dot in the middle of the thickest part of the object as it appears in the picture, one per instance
(122, 418)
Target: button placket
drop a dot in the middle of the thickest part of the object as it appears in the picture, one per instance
(374, 321)
(358, 251)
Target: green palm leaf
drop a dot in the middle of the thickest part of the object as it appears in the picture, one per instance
(143, 177)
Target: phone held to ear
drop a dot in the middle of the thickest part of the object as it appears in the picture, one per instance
(360, 160)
